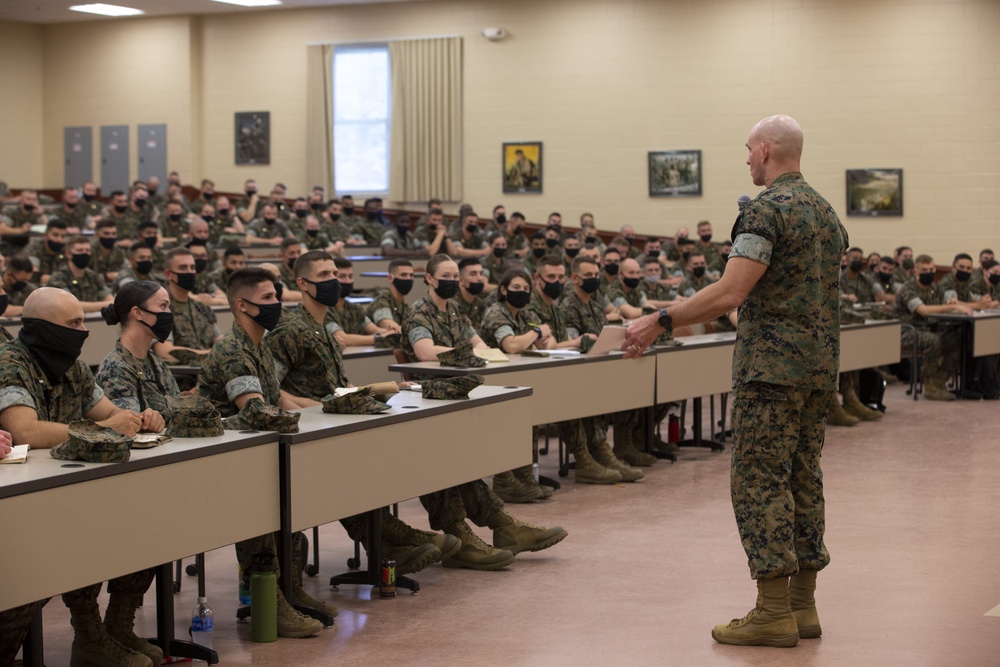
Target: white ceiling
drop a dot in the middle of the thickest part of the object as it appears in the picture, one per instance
(55, 11)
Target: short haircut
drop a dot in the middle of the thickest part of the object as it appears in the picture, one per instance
(887, 260)
(548, 260)
(923, 259)
(702, 223)
(435, 211)
(342, 263)
(469, 261)
(104, 224)
(398, 262)
(612, 250)
(517, 214)
(961, 255)
(176, 252)
(20, 263)
(434, 203)
(246, 280)
(79, 238)
(855, 249)
(59, 224)
(116, 193)
(989, 264)
(538, 235)
(289, 242)
(555, 213)
(307, 259)
(232, 250)
(498, 207)
(579, 261)
(618, 240)
(148, 224)
(136, 247)
(652, 260)
(986, 251)
(901, 248)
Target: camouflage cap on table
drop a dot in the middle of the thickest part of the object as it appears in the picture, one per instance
(193, 416)
(451, 388)
(360, 402)
(462, 356)
(93, 443)
(390, 340)
(255, 416)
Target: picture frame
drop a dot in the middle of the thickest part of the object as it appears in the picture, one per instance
(874, 192)
(675, 173)
(253, 137)
(522, 167)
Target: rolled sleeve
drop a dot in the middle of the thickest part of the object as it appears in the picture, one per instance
(95, 398)
(382, 314)
(751, 246)
(12, 396)
(503, 331)
(333, 327)
(419, 333)
(914, 303)
(244, 384)
(127, 403)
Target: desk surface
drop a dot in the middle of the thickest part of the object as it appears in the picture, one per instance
(985, 329)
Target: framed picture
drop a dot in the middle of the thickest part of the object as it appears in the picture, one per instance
(874, 192)
(253, 137)
(522, 167)
(675, 173)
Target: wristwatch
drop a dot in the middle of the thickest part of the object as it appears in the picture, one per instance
(538, 331)
(665, 320)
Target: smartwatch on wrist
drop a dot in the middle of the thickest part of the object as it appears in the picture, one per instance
(665, 320)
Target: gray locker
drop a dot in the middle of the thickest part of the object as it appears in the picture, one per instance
(153, 152)
(78, 151)
(114, 158)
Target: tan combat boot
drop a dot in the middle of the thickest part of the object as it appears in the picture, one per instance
(401, 534)
(299, 595)
(935, 389)
(526, 475)
(516, 536)
(802, 595)
(293, 624)
(92, 647)
(770, 623)
(836, 416)
(119, 622)
(476, 554)
(604, 456)
(589, 471)
(512, 490)
(625, 450)
(854, 406)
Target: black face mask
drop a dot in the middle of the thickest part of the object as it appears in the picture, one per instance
(90, 197)
(268, 316)
(56, 348)
(402, 229)
(71, 204)
(279, 289)
(185, 281)
(208, 218)
(884, 278)
(81, 261)
(335, 217)
(698, 271)
(251, 193)
(18, 286)
(995, 279)
(140, 203)
(518, 299)
(472, 229)
(348, 210)
(654, 254)
(631, 283)
(200, 264)
(150, 241)
(346, 289)
(163, 326)
(873, 267)
(553, 289)
(317, 206)
(291, 263)
(552, 243)
(121, 209)
(312, 233)
(629, 240)
(475, 288)
(571, 252)
(29, 207)
(591, 239)
(908, 264)
(591, 285)
(108, 241)
(175, 217)
(926, 279)
(4, 302)
(857, 265)
(611, 269)
(501, 219)
(371, 216)
(725, 257)
(208, 196)
(403, 285)
(55, 246)
(270, 221)
(143, 268)
(499, 252)
(446, 289)
(223, 212)
(327, 291)
(301, 213)
(686, 256)
(705, 238)
(539, 252)
(962, 276)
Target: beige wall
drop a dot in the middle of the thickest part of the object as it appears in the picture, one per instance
(901, 83)
(20, 103)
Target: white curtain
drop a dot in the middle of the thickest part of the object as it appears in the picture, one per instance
(319, 117)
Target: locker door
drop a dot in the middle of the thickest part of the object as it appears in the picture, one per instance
(78, 153)
(114, 158)
(153, 152)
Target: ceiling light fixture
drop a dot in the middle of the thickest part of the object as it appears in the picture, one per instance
(251, 3)
(107, 10)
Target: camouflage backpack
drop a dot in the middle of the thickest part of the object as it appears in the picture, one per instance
(255, 416)
(461, 356)
(92, 443)
(451, 388)
(360, 402)
(193, 416)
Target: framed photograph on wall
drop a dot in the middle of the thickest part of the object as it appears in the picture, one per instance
(522, 167)
(253, 137)
(875, 192)
(675, 173)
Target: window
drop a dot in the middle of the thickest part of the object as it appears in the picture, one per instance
(361, 119)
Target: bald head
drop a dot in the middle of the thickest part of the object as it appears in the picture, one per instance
(775, 146)
(54, 305)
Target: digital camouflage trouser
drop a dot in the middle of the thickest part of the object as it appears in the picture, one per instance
(473, 499)
(776, 481)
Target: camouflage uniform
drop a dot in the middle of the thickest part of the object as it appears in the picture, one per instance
(692, 285)
(515, 242)
(498, 323)
(203, 283)
(23, 383)
(17, 298)
(385, 306)
(44, 260)
(493, 268)
(475, 242)
(220, 277)
(336, 230)
(194, 325)
(74, 218)
(966, 291)
(713, 258)
(349, 319)
(173, 229)
(106, 261)
(137, 384)
(286, 276)
(408, 241)
(128, 275)
(261, 230)
(474, 310)
(370, 230)
(307, 358)
(938, 346)
(866, 290)
(90, 209)
(784, 372)
(582, 317)
(128, 223)
(319, 242)
(473, 499)
(88, 287)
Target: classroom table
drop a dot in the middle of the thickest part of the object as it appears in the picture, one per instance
(52, 507)
(365, 364)
(979, 337)
(341, 465)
